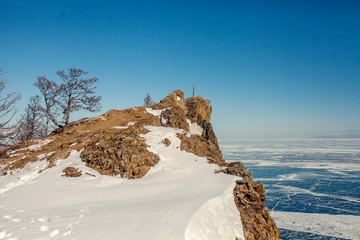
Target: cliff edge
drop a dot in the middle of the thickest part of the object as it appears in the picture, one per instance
(137, 143)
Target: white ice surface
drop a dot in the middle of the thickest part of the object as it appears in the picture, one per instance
(297, 190)
(340, 226)
(173, 201)
(328, 165)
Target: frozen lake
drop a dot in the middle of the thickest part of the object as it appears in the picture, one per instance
(312, 185)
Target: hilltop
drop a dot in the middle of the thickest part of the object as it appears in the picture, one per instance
(155, 173)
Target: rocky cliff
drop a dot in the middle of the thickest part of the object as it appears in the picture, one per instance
(113, 144)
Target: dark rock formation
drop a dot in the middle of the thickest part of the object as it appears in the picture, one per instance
(174, 110)
(166, 142)
(122, 153)
(202, 147)
(250, 201)
(71, 172)
(174, 117)
(198, 106)
(175, 98)
(176, 113)
(249, 196)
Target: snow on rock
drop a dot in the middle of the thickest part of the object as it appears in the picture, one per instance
(157, 113)
(154, 112)
(39, 145)
(170, 202)
(124, 127)
(194, 127)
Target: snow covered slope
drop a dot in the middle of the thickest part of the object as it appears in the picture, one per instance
(180, 198)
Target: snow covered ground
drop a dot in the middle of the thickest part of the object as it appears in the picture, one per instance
(180, 198)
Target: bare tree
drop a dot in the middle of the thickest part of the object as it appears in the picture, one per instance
(73, 94)
(31, 124)
(7, 112)
(148, 100)
(51, 93)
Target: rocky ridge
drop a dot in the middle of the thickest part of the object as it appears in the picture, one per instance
(112, 144)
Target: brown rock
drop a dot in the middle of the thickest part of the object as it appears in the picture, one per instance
(175, 98)
(123, 153)
(174, 117)
(71, 172)
(200, 146)
(198, 106)
(166, 142)
(250, 201)
(199, 111)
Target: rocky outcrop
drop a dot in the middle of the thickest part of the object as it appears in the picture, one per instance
(178, 112)
(248, 195)
(202, 147)
(197, 106)
(255, 217)
(173, 110)
(199, 111)
(123, 153)
(71, 172)
(174, 117)
(174, 99)
(166, 142)
(250, 201)
(112, 144)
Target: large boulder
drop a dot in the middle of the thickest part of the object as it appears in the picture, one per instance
(123, 153)
(250, 201)
(197, 106)
(176, 98)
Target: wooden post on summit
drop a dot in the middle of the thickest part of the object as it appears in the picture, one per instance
(193, 90)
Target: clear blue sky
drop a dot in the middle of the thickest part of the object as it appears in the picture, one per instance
(279, 69)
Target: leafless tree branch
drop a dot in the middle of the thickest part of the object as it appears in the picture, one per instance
(7, 112)
(74, 93)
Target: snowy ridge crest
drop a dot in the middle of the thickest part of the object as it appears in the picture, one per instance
(138, 173)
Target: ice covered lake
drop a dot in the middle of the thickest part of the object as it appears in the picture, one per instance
(312, 185)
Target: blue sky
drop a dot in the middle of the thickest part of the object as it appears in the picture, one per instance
(279, 69)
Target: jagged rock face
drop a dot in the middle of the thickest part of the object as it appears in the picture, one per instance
(201, 147)
(199, 111)
(208, 132)
(198, 106)
(255, 217)
(250, 201)
(175, 98)
(123, 154)
(176, 112)
(174, 117)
